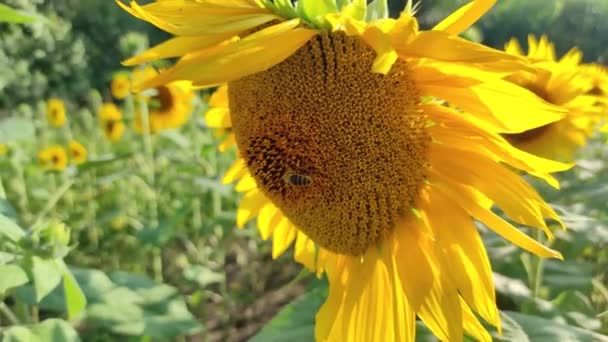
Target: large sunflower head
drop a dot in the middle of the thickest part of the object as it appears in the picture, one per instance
(111, 121)
(55, 112)
(559, 82)
(347, 148)
(53, 158)
(169, 105)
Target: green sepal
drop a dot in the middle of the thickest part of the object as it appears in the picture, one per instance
(377, 9)
(356, 10)
(314, 11)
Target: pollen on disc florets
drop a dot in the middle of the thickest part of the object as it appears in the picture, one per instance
(339, 149)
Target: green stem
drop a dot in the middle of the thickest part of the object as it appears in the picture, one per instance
(22, 311)
(50, 204)
(150, 170)
(150, 163)
(21, 188)
(8, 313)
(537, 279)
(2, 191)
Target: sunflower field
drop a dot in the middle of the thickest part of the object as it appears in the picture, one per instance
(310, 170)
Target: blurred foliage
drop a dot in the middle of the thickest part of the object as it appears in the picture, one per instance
(54, 57)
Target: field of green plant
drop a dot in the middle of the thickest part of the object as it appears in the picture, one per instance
(115, 223)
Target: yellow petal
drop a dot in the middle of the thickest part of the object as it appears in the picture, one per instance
(305, 251)
(249, 207)
(229, 142)
(465, 256)
(219, 98)
(176, 47)
(236, 171)
(254, 53)
(464, 17)
(492, 100)
(414, 270)
(472, 325)
(454, 130)
(268, 219)
(189, 18)
(246, 184)
(443, 47)
(365, 303)
(282, 237)
(441, 311)
(218, 117)
(508, 190)
(467, 198)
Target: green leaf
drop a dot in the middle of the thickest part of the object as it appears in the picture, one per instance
(377, 9)
(15, 129)
(75, 301)
(10, 15)
(161, 235)
(6, 209)
(296, 321)
(568, 275)
(46, 276)
(519, 327)
(12, 276)
(49, 330)
(10, 230)
(129, 304)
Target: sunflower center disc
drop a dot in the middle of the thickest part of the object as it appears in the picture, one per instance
(339, 149)
(164, 98)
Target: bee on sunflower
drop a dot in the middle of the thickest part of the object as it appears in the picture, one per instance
(559, 82)
(341, 152)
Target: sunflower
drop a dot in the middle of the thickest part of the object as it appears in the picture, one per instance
(3, 149)
(120, 86)
(346, 149)
(561, 83)
(53, 158)
(110, 119)
(78, 153)
(598, 74)
(169, 106)
(55, 112)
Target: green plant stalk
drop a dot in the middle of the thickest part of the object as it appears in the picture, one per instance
(537, 276)
(50, 204)
(8, 313)
(22, 311)
(24, 201)
(150, 170)
(2, 191)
